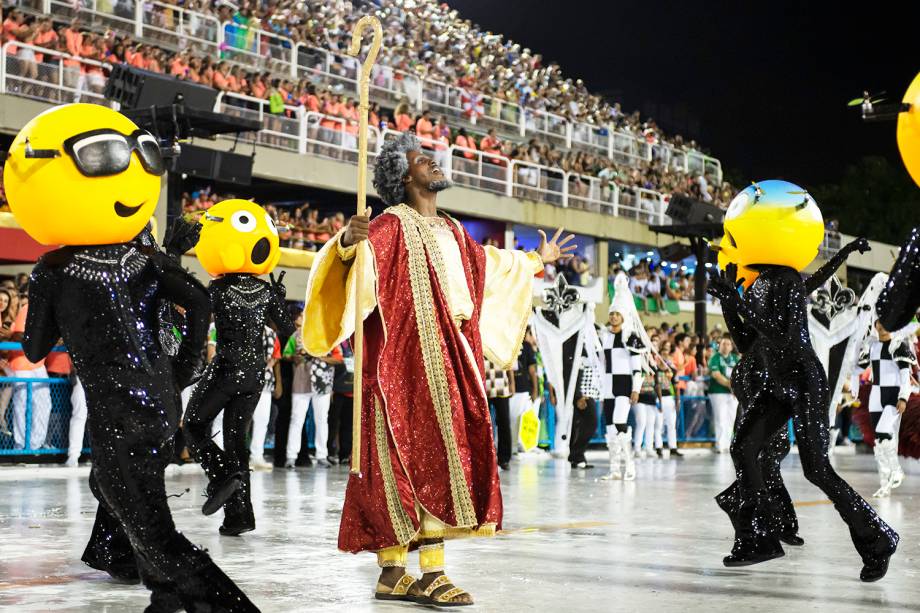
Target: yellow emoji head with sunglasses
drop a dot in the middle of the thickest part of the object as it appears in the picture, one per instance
(238, 236)
(83, 174)
(771, 222)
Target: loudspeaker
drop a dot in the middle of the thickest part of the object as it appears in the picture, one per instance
(134, 88)
(693, 211)
(675, 252)
(222, 166)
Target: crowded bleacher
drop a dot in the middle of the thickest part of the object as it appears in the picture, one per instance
(439, 75)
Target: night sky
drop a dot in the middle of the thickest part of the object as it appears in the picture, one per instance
(762, 85)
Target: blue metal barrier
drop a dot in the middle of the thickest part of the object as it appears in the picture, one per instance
(39, 403)
(26, 398)
(694, 421)
(7, 346)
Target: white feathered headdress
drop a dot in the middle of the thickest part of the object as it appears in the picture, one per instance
(624, 304)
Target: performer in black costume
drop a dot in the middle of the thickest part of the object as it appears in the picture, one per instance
(899, 301)
(780, 377)
(102, 293)
(243, 304)
(109, 548)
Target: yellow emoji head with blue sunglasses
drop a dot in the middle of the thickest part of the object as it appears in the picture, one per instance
(238, 236)
(83, 174)
(770, 223)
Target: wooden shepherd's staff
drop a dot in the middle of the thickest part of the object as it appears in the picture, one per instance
(368, 21)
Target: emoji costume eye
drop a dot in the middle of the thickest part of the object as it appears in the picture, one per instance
(243, 221)
(271, 224)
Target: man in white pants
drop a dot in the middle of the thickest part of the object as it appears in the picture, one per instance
(526, 387)
(311, 384)
(263, 411)
(724, 403)
(77, 423)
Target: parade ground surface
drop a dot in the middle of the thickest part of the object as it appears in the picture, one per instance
(570, 543)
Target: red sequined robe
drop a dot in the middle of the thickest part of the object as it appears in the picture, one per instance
(426, 433)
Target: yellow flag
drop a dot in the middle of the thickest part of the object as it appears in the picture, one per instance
(529, 433)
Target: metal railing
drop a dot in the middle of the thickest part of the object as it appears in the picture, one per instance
(336, 138)
(260, 49)
(694, 421)
(178, 28)
(60, 77)
(34, 413)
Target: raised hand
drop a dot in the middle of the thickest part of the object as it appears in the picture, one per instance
(181, 237)
(724, 285)
(860, 244)
(357, 228)
(555, 249)
(278, 285)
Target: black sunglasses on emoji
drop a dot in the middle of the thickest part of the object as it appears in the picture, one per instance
(105, 152)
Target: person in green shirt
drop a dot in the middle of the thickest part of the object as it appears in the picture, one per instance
(724, 403)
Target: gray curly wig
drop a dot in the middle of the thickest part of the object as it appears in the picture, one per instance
(392, 166)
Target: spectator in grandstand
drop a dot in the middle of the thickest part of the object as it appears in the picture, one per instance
(724, 403)
(492, 145)
(653, 291)
(403, 116)
(40, 393)
(7, 317)
(577, 270)
(426, 40)
(340, 412)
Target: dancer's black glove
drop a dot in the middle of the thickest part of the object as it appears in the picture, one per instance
(277, 285)
(181, 237)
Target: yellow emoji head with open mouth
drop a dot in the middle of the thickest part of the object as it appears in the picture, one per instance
(238, 236)
(83, 174)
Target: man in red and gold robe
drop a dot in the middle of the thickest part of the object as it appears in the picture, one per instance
(434, 303)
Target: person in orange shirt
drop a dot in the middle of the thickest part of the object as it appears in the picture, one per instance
(220, 77)
(235, 80)
(45, 36)
(680, 360)
(207, 72)
(153, 60)
(139, 59)
(424, 129)
(402, 116)
(331, 108)
(74, 38)
(310, 100)
(41, 395)
(179, 66)
(258, 89)
(492, 145)
(13, 29)
(194, 70)
(373, 115)
(130, 52)
(350, 114)
(467, 142)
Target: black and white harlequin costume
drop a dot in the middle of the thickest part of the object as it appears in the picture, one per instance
(625, 359)
(890, 364)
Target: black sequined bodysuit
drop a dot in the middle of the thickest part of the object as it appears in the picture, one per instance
(104, 302)
(778, 378)
(243, 305)
(899, 301)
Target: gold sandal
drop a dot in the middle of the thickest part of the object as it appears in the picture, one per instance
(400, 591)
(445, 599)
